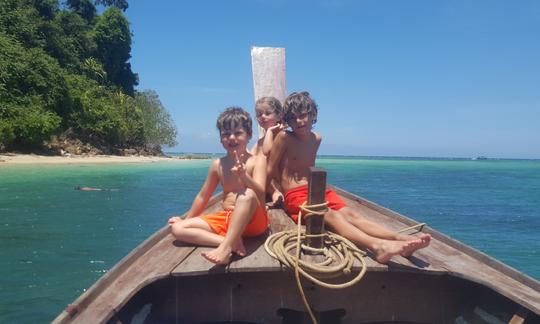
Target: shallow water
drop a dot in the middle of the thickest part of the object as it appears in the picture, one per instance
(57, 241)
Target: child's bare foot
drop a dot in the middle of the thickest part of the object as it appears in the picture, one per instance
(239, 248)
(405, 237)
(174, 219)
(424, 238)
(277, 198)
(386, 249)
(219, 255)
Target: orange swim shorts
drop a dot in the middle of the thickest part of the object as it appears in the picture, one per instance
(219, 222)
(297, 196)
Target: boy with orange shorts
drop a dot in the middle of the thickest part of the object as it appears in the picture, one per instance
(294, 152)
(243, 179)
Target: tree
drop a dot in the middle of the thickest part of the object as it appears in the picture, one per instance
(120, 4)
(67, 68)
(113, 40)
(32, 94)
(158, 125)
(85, 8)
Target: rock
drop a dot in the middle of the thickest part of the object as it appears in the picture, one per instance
(130, 152)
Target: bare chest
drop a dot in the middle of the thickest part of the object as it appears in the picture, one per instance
(300, 156)
(230, 181)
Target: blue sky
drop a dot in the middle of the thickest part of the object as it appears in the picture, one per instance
(392, 78)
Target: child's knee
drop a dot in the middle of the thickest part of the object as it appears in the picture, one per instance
(331, 216)
(248, 197)
(178, 231)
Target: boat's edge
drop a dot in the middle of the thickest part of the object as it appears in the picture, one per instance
(71, 311)
(494, 263)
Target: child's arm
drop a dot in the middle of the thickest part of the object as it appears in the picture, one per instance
(278, 150)
(207, 189)
(269, 138)
(256, 181)
(255, 149)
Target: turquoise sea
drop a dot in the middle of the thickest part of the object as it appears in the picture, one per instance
(56, 241)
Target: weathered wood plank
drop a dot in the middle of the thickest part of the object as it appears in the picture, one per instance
(520, 316)
(445, 255)
(257, 258)
(129, 275)
(156, 263)
(196, 265)
(316, 196)
(279, 221)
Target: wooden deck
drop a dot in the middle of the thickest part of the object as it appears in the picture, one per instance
(161, 256)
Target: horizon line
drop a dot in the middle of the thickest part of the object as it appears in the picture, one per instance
(475, 158)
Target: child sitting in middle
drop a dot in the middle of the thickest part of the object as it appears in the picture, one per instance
(269, 116)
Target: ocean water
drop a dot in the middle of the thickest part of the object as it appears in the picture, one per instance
(56, 241)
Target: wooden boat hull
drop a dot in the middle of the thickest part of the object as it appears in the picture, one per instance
(164, 281)
(270, 297)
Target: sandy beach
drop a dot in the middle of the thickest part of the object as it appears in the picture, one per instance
(77, 159)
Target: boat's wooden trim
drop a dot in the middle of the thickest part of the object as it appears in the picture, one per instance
(459, 266)
(92, 294)
(502, 267)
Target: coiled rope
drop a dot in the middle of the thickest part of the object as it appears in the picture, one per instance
(339, 255)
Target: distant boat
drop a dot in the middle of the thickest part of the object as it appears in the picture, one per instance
(479, 158)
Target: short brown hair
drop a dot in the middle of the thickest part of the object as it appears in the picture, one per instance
(233, 117)
(297, 102)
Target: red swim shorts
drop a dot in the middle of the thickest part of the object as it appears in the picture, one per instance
(219, 222)
(297, 196)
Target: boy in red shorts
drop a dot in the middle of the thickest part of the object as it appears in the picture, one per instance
(294, 153)
(243, 179)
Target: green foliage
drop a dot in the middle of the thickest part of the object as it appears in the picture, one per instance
(103, 116)
(69, 40)
(120, 4)
(157, 122)
(32, 90)
(113, 40)
(84, 8)
(27, 124)
(30, 72)
(68, 69)
(19, 21)
(46, 8)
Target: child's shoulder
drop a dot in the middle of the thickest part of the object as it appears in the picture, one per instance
(318, 136)
(216, 163)
(285, 135)
(257, 148)
(254, 157)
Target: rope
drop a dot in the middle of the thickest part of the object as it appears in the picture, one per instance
(417, 227)
(339, 255)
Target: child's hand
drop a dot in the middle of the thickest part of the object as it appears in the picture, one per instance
(239, 167)
(174, 219)
(276, 128)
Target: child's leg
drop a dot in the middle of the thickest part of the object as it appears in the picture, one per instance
(275, 194)
(359, 221)
(382, 249)
(196, 231)
(373, 229)
(244, 209)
